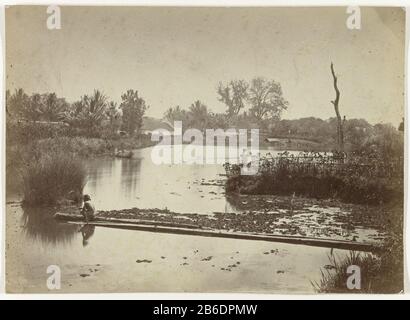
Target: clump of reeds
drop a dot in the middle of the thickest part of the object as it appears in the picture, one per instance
(53, 177)
(334, 277)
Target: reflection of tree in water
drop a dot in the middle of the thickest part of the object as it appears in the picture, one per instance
(130, 174)
(39, 224)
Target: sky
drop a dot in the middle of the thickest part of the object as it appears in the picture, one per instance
(174, 56)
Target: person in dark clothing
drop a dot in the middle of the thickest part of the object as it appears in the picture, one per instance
(88, 209)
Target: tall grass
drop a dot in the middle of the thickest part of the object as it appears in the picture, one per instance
(334, 277)
(381, 273)
(52, 177)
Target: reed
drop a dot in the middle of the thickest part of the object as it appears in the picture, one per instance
(53, 177)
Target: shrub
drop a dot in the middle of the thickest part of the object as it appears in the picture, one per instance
(52, 177)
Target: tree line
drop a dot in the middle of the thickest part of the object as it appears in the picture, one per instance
(258, 102)
(90, 112)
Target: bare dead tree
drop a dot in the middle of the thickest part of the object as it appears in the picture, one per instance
(340, 136)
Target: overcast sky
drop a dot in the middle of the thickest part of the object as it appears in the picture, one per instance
(174, 56)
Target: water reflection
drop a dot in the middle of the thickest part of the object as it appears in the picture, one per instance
(130, 175)
(39, 224)
(113, 183)
(87, 231)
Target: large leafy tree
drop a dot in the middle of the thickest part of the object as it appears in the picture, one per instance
(133, 109)
(266, 99)
(233, 95)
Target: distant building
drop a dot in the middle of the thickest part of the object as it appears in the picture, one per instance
(275, 142)
(149, 125)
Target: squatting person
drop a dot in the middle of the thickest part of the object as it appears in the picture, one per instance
(88, 209)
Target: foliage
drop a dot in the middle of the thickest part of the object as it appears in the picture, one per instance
(334, 277)
(44, 115)
(37, 107)
(51, 177)
(114, 118)
(370, 179)
(175, 114)
(133, 109)
(198, 116)
(381, 272)
(88, 112)
(359, 135)
(266, 99)
(234, 95)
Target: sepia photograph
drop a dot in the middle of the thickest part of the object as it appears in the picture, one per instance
(174, 149)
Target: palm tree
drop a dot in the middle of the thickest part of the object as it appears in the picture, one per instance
(113, 116)
(175, 114)
(198, 115)
(89, 111)
(49, 107)
(97, 106)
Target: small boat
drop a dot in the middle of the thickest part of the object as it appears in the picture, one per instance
(124, 154)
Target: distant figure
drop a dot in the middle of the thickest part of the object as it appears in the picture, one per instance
(88, 209)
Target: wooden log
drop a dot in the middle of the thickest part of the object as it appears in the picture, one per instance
(80, 218)
(154, 226)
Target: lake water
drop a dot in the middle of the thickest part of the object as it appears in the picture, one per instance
(111, 260)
